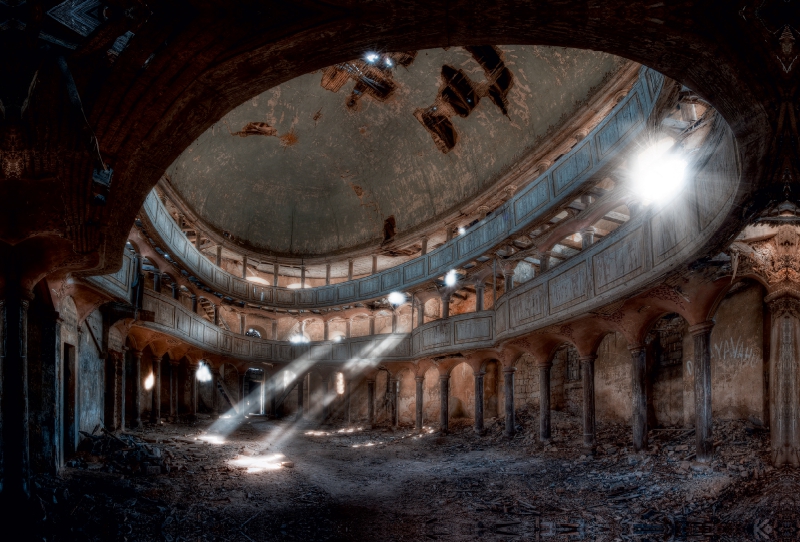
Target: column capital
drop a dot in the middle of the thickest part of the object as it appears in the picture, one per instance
(589, 357)
(701, 328)
(370, 380)
(419, 378)
(175, 362)
(545, 365)
(479, 374)
(635, 348)
(444, 377)
(509, 370)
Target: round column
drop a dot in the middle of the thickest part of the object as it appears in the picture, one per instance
(508, 382)
(444, 403)
(639, 396)
(479, 402)
(587, 369)
(419, 380)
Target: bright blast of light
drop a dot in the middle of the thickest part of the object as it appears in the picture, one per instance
(658, 173)
(149, 381)
(450, 278)
(203, 373)
(258, 463)
(397, 298)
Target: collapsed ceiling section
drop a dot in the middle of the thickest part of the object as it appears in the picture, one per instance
(319, 164)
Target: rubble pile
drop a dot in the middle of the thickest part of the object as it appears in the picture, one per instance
(122, 453)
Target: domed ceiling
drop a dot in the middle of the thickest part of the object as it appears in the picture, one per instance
(317, 165)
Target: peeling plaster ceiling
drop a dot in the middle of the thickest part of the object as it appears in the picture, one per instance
(315, 166)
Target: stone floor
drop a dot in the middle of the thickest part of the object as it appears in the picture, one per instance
(226, 482)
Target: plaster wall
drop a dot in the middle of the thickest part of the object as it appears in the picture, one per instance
(462, 392)
(613, 380)
(91, 374)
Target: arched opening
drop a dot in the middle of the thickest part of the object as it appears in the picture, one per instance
(461, 404)
(383, 396)
(431, 397)
(406, 397)
(669, 346)
(491, 390)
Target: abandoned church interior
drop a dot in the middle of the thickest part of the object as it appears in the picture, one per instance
(351, 270)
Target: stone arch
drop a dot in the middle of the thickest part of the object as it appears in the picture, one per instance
(566, 384)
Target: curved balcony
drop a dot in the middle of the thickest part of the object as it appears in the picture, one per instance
(635, 256)
(552, 189)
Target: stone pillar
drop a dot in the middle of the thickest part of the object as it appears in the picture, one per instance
(544, 261)
(327, 274)
(300, 393)
(198, 239)
(242, 323)
(119, 390)
(448, 233)
(639, 396)
(702, 389)
(587, 370)
(155, 407)
(587, 237)
(174, 367)
(508, 275)
(348, 388)
(394, 321)
(371, 324)
(479, 402)
(370, 403)
(157, 281)
(424, 246)
(325, 400)
(263, 395)
(508, 381)
(326, 326)
(218, 259)
(242, 393)
(214, 392)
(446, 306)
(274, 330)
(480, 290)
(174, 290)
(137, 389)
(544, 401)
(394, 386)
(420, 312)
(275, 273)
(420, 381)
(350, 269)
(347, 328)
(244, 266)
(194, 303)
(216, 315)
(444, 403)
(784, 378)
(374, 264)
(192, 376)
(302, 276)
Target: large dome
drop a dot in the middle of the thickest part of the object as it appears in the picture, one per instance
(317, 165)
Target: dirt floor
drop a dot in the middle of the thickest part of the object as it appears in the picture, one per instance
(229, 480)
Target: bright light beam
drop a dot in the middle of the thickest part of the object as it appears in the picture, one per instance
(658, 172)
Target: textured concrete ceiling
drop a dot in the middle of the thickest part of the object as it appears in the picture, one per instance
(316, 165)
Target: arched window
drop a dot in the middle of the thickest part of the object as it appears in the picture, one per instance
(253, 333)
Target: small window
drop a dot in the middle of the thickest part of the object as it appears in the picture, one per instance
(253, 333)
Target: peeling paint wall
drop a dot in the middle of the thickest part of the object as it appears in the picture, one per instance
(613, 380)
(91, 374)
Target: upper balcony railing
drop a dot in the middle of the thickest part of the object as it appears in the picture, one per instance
(634, 257)
(558, 185)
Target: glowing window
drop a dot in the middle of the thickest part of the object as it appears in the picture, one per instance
(339, 383)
